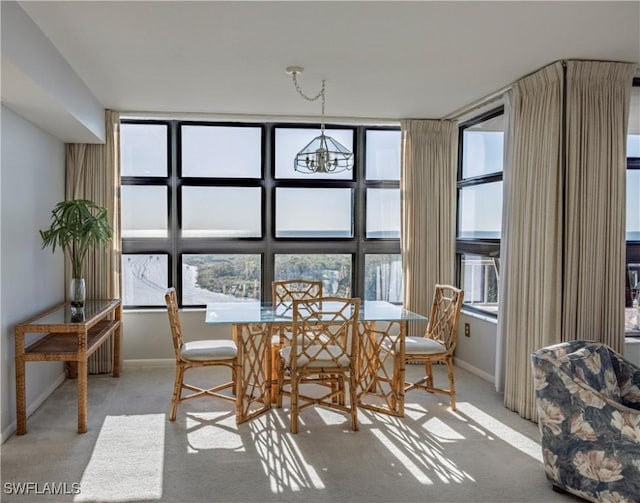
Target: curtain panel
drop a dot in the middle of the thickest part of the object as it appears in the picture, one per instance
(428, 222)
(563, 239)
(93, 172)
(598, 100)
(531, 244)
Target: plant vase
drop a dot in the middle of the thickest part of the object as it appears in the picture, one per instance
(77, 293)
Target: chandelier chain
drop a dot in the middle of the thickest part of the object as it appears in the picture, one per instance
(308, 98)
(322, 155)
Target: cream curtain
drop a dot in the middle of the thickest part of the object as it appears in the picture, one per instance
(428, 187)
(531, 244)
(563, 236)
(93, 172)
(598, 95)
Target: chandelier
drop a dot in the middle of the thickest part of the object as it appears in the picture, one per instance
(323, 154)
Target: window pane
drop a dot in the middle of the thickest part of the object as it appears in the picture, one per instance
(482, 148)
(143, 149)
(221, 212)
(145, 279)
(633, 145)
(480, 211)
(383, 213)
(383, 155)
(333, 270)
(633, 205)
(220, 278)
(383, 277)
(314, 213)
(480, 282)
(290, 141)
(144, 211)
(221, 151)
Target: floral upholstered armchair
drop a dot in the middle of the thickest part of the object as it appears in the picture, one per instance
(588, 404)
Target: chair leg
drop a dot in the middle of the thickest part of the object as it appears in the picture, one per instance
(294, 403)
(429, 374)
(354, 401)
(452, 385)
(177, 391)
(280, 385)
(275, 381)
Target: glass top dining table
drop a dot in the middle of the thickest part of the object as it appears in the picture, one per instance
(256, 312)
(382, 328)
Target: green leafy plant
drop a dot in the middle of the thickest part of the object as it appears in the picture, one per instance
(78, 225)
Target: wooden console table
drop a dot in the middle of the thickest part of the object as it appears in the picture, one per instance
(69, 337)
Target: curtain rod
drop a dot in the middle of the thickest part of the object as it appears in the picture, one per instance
(497, 95)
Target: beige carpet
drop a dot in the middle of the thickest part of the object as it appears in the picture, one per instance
(132, 453)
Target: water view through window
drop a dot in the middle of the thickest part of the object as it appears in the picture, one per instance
(217, 210)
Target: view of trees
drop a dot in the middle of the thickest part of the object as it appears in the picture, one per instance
(239, 275)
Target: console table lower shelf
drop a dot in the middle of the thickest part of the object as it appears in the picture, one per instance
(69, 337)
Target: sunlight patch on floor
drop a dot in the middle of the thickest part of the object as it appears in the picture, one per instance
(114, 474)
(500, 430)
(213, 430)
(281, 459)
(441, 430)
(410, 466)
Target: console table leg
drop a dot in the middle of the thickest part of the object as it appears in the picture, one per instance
(21, 405)
(82, 396)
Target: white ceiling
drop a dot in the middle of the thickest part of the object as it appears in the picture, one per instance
(385, 59)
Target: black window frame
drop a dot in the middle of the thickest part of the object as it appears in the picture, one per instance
(632, 247)
(267, 246)
(484, 247)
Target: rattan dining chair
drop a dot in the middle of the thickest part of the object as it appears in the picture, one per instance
(324, 346)
(439, 341)
(193, 354)
(283, 293)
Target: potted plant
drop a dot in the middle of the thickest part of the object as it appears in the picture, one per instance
(78, 226)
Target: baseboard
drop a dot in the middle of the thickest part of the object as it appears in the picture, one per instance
(474, 370)
(148, 363)
(31, 408)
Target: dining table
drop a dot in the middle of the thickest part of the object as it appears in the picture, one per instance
(382, 328)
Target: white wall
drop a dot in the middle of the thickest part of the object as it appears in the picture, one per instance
(39, 84)
(32, 182)
(477, 352)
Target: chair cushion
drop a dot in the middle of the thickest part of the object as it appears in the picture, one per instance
(323, 357)
(209, 350)
(423, 346)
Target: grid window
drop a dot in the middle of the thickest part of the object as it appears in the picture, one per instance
(221, 151)
(383, 277)
(633, 207)
(138, 221)
(289, 141)
(383, 155)
(143, 149)
(334, 270)
(220, 278)
(314, 213)
(383, 213)
(221, 212)
(483, 147)
(479, 280)
(479, 206)
(480, 211)
(226, 213)
(145, 279)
